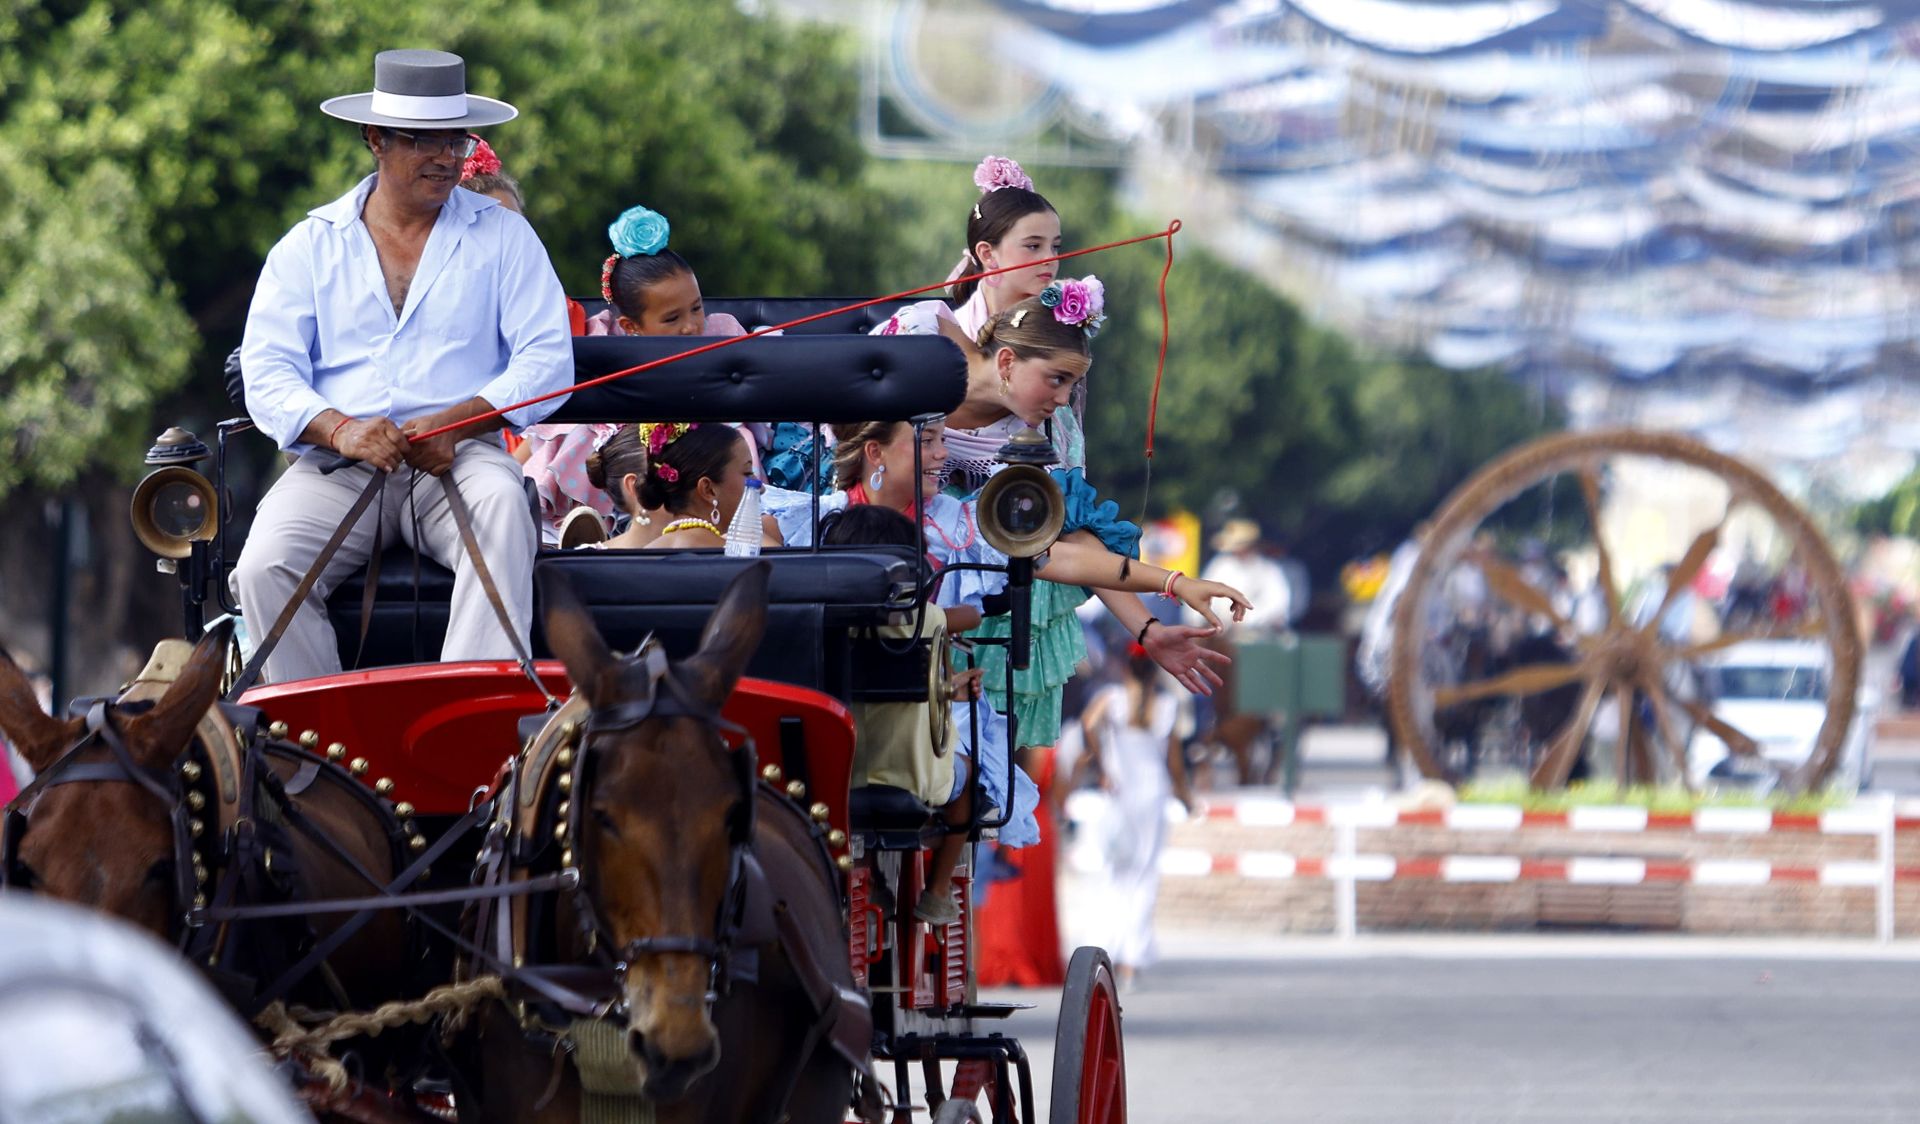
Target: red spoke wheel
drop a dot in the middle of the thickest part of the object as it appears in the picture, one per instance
(1089, 1064)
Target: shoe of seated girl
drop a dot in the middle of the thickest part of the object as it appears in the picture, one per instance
(580, 527)
(937, 909)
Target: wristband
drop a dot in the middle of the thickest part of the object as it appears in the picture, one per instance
(1141, 637)
(1173, 576)
(335, 432)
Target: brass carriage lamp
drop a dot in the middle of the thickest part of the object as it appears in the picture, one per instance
(1021, 513)
(175, 506)
(176, 514)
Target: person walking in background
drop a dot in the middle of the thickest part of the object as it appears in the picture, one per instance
(1239, 559)
(1130, 733)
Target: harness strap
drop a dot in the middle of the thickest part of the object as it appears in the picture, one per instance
(537, 885)
(271, 639)
(464, 521)
(372, 588)
(317, 955)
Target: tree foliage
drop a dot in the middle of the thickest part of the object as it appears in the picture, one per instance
(156, 150)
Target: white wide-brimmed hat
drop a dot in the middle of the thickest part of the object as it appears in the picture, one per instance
(419, 90)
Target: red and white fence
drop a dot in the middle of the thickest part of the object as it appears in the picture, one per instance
(1346, 866)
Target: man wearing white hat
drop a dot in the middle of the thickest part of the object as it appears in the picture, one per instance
(405, 305)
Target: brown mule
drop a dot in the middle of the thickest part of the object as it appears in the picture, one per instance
(97, 836)
(667, 827)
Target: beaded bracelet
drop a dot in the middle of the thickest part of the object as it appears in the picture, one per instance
(336, 432)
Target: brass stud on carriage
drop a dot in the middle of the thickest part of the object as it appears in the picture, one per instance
(434, 736)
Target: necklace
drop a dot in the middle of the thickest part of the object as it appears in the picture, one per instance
(689, 525)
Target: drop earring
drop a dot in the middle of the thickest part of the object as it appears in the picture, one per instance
(715, 517)
(879, 477)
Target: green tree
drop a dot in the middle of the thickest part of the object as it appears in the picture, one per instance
(157, 149)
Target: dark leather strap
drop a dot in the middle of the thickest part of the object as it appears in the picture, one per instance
(268, 642)
(464, 521)
(372, 587)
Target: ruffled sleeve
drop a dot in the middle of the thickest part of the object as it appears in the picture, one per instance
(793, 511)
(1087, 511)
(953, 536)
(921, 318)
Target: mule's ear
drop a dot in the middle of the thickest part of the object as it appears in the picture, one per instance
(732, 636)
(573, 636)
(159, 735)
(38, 736)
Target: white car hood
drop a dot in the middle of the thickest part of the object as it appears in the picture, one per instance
(1785, 730)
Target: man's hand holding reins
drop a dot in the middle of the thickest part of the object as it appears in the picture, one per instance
(374, 441)
(434, 455)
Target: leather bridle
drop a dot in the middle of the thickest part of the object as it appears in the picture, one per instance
(667, 698)
(165, 785)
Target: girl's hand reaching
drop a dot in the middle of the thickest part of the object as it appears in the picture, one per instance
(1198, 594)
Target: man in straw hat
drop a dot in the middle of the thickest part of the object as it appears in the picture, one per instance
(402, 306)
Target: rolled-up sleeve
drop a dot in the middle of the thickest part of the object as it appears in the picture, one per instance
(533, 326)
(276, 351)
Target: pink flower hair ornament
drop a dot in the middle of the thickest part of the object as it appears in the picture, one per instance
(996, 172)
(656, 436)
(1077, 303)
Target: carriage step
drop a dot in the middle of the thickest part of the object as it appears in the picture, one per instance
(993, 1010)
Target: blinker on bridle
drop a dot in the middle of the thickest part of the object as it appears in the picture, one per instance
(164, 785)
(668, 698)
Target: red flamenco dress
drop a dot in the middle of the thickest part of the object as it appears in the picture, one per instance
(1019, 925)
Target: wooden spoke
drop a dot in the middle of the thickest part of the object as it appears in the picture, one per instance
(1558, 760)
(1623, 700)
(1719, 643)
(1532, 679)
(1663, 726)
(1506, 581)
(1682, 575)
(1590, 492)
(1737, 742)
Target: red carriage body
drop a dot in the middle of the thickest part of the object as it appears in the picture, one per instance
(440, 732)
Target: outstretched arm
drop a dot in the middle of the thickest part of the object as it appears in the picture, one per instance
(1175, 647)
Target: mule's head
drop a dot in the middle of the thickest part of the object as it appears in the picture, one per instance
(656, 836)
(108, 844)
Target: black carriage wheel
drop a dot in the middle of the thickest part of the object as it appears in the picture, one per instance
(1089, 1061)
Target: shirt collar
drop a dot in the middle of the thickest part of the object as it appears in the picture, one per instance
(342, 212)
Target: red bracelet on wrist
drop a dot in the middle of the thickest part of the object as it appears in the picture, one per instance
(1173, 576)
(335, 432)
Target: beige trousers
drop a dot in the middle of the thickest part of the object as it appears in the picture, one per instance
(302, 510)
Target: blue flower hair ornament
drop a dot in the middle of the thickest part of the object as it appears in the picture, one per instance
(639, 231)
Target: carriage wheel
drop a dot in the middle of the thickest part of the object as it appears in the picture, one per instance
(1629, 666)
(1089, 1065)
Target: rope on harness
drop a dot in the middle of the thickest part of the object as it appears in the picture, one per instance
(454, 1003)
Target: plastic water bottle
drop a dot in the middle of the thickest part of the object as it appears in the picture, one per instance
(744, 534)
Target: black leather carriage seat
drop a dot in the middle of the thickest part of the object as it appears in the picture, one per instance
(815, 600)
(891, 819)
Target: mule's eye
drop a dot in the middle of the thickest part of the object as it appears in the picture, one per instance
(605, 819)
(161, 873)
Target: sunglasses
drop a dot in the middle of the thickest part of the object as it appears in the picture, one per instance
(461, 144)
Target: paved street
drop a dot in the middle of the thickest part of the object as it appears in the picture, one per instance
(1433, 1030)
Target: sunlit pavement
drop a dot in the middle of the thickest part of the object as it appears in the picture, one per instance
(1435, 1029)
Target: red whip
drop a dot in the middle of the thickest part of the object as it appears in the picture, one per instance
(1172, 229)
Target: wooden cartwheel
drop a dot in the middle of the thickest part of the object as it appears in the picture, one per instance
(1625, 661)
